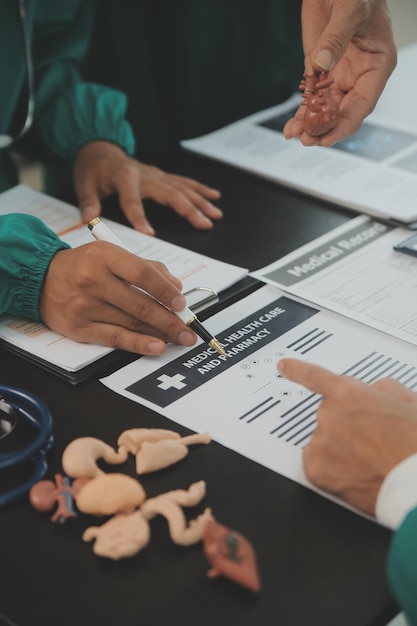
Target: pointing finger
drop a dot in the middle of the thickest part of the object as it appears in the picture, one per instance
(313, 377)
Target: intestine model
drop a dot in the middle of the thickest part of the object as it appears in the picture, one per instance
(126, 534)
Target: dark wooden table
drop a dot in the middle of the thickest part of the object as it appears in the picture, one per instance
(320, 563)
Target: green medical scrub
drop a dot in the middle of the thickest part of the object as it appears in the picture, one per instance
(402, 566)
(68, 113)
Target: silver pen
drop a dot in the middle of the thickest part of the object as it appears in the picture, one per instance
(101, 232)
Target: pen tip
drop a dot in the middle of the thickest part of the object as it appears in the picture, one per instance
(214, 343)
(93, 223)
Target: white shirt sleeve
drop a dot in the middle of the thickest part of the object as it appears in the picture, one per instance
(398, 493)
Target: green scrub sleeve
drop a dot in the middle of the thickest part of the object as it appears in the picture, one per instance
(85, 113)
(27, 247)
(68, 111)
(402, 566)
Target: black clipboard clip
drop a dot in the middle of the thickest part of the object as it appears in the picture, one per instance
(200, 304)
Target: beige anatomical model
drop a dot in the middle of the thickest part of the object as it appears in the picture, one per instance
(122, 498)
(80, 457)
(125, 535)
(156, 449)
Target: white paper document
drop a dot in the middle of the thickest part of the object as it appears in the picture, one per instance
(193, 269)
(354, 270)
(374, 171)
(239, 398)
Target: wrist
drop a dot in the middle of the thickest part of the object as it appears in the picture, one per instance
(398, 493)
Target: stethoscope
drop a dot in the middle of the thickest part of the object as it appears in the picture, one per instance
(7, 140)
(15, 405)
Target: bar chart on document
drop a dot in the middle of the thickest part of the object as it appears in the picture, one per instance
(240, 398)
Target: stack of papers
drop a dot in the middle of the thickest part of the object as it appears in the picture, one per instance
(373, 172)
(346, 301)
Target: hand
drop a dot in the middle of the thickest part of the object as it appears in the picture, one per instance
(88, 296)
(102, 168)
(362, 432)
(354, 40)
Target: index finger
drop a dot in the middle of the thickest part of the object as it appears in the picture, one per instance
(145, 275)
(87, 194)
(127, 186)
(313, 377)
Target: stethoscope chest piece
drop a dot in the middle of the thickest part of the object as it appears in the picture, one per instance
(25, 438)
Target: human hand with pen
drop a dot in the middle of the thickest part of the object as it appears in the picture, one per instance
(363, 432)
(89, 295)
(353, 40)
(102, 168)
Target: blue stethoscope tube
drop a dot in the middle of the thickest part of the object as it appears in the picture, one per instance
(36, 414)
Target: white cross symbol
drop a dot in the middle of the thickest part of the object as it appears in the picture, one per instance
(171, 381)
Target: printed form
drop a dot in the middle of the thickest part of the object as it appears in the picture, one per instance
(240, 398)
(353, 270)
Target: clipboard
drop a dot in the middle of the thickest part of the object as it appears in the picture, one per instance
(204, 301)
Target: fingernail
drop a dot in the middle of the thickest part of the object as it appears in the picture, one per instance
(178, 303)
(324, 59)
(88, 213)
(156, 347)
(216, 209)
(204, 218)
(148, 229)
(187, 339)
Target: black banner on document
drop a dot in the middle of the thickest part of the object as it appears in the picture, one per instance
(177, 378)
